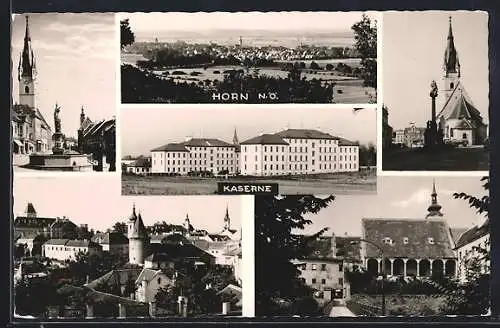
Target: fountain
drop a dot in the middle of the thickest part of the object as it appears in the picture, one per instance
(60, 159)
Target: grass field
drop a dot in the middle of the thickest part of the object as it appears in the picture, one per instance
(324, 184)
(448, 159)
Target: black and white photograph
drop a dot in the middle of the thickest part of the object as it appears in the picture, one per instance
(436, 99)
(147, 257)
(64, 92)
(249, 57)
(189, 151)
(420, 247)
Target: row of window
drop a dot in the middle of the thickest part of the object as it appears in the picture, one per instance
(196, 162)
(323, 281)
(322, 267)
(300, 158)
(194, 155)
(350, 166)
(64, 248)
(300, 149)
(406, 240)
(198, 169)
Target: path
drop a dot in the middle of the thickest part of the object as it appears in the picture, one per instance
(340, 310)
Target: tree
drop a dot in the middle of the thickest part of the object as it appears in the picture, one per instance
(276, 217)
(473, 296)
(127, 37)
(120, 227)
(329, 67)
(314, 65)
(365, 36)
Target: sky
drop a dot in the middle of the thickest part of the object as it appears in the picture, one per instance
(145, 129)
(413, 55)
(76, 61)
(97, 201)
(399, 198)
(202, 23)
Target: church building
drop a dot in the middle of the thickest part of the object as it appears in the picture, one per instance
(459, 119)
(30, 131)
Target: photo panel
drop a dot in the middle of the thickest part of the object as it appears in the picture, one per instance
(64, 92)
(131, 257)
(419, 251)
(436, 98)
(249, 57)
(248, 150)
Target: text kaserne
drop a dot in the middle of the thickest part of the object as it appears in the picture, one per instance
(247, 189)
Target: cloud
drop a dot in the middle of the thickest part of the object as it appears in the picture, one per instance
(421, 196)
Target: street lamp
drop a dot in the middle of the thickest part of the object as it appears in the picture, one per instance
(383, 268)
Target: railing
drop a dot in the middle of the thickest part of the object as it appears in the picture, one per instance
(361, 309)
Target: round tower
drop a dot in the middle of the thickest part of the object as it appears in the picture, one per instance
(138, 239)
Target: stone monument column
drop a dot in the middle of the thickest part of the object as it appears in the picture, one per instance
(57, 137)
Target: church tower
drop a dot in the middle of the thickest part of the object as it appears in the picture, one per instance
(235, 138)
(138, 239)
(27, 71)
(80, 132)
(187, 225)
(227, 220)
(451, 66)
(434, 208)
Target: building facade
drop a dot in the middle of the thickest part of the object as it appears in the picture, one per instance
(98, 139)
(420, 247)
(298, 151)
(469, 246)
(67, 249)
(112, 242)
(459, 119)
(195, 156)
(141, 166)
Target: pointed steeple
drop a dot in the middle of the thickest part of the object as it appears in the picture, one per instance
(235, 138)
(26, 68)
(434, 208)
(227, 220)
(82, 117)
(451, 62)
(133, 217)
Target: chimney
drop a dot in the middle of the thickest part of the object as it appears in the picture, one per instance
(333, 246)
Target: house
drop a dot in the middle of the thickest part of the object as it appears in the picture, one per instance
(141, 166)
(67, 249)
(150, 281)
(112, 242)
(122, 280)
(322, 269)
(466, 248)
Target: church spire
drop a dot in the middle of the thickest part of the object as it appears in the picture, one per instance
(451, 63)
(235, 138)
(227, 220)
(434, 208)
(26, 67)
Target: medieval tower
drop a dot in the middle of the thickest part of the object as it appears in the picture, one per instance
(27, 71)
(434, 209)
(138, 239)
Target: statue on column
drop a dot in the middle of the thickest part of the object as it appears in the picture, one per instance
(434, 89)
(57, 119)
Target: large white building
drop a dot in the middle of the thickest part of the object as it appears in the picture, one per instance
(67, 249)
(195, 155)
(298, 151)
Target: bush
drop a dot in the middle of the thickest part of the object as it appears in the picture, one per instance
(306, 306)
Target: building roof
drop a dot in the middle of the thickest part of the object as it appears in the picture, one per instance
(72, 243)
(148, 275)
(30, 209)
(458, 106)
(473, 234)
(139, 230)
(305, 134)
(456, 233)
(321, 248)
(451, 63)
(418, 232)
(60, 242)
(110, 238)
(141, 162)
(265, 139)
(204, 142)
(33, 222)
(171, 147)
(348, 247)
(345, 142)
(116, 277)
(97, 128)
(218, 237)
(176, 251)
